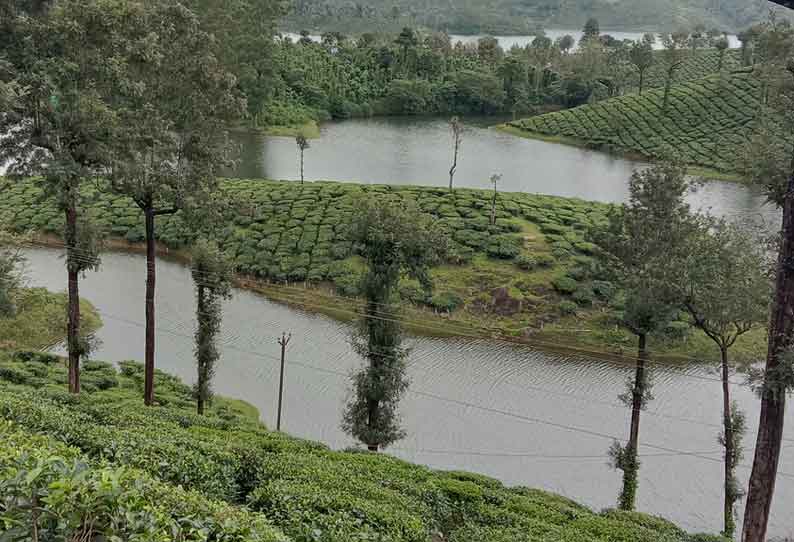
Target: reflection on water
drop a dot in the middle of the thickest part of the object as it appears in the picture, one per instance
(419, 151)
(507, 411)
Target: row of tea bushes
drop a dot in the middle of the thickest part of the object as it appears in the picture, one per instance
(284, 231)
(310, 493)
(706, 124)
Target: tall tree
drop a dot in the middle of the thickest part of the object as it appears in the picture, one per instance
(11, 273)
(722, 45)
(591, 30)
(774, 168)
(636, 248)
(303, 143)
(456, 127)
(674, 57)
(724, 286)
(396, 239)
(212, 272)
(60, 124)
(641, 57)
(174, 109)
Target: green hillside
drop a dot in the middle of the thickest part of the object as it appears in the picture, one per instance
(697, 65)
(105, 465)
(706, 123)
(531, 274)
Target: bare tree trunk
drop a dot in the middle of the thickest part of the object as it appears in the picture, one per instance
(630, 471)
(773, 398)
(729, 522)
(454, 163)
(301, 166)
(150, 321)
(73, 271)
(202, 371)
(642, 79)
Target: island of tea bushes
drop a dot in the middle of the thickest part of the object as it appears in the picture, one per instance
(530, 274)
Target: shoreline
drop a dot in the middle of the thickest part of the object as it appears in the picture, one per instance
(693, 169)
(417, 322)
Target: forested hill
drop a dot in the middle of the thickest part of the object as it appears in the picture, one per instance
(523, 16)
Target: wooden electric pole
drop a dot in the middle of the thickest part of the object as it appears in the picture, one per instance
(283, 341)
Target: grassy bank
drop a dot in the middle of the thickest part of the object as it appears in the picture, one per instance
(530, 276)
(225, 477)
(40, 320)
(706, 123)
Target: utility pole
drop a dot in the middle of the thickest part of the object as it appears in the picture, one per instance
(283, 341)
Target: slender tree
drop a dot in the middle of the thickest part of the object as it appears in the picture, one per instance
(303, 143)
(641, 57)
(175, 108)
(212, 272)
(636, 250)
(63, 63)
(396, 239)
(722, 45)
(456, 126)
(591, 30)
(495, 178)
(724, 286)
(674, 58)
(775, 170)
(11, 273)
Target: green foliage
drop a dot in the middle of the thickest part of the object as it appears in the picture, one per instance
(73, 498)
(446, 301)
(705, 125)
(565, 284)
(395, 239)
(309, 492)
(212, 272)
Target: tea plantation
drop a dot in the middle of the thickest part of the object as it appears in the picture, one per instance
(707, 122)
(104, 467)
(287, 232)
(696, 66)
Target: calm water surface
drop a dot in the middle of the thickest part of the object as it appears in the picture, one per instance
(507, 42)
(481, 406)
(419, 151)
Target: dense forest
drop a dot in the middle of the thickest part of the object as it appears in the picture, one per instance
(522, 16)
(417, 72)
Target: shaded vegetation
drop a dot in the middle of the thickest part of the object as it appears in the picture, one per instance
(529, 275)
(708, 123)
(131, 459)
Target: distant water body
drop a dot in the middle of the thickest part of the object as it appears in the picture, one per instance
(507, 42)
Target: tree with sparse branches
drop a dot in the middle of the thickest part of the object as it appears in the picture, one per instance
(495, 178)
(456, 127)
(636, 247)
(771, 165)
(303, 143)
(641, 57)
(175, 108)
(724, 285)
(396, 240)
(212, 272)
(674, 55)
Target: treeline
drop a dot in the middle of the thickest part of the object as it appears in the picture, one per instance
(521, 17)
(424, 73)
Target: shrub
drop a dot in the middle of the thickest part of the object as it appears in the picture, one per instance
(583, 296)
(604, 289)
(545, 260)
(446, 301)
(504, 247)
(568, 308)
(527, 262)
(565, 284)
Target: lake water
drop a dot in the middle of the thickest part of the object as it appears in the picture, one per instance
(406, 150)
(523, 416)
(507, 42)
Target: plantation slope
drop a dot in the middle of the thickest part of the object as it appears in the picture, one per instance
(697, 65)
(307, 491)
(531, 274)
(706, 124)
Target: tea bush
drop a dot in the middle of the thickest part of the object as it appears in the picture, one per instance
(105, 451)
(706, 123)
